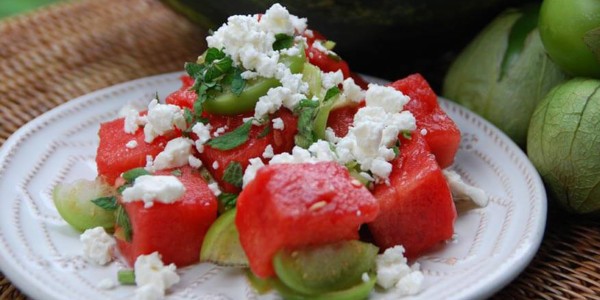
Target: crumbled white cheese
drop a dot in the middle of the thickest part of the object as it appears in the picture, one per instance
(461, 191)
(150, 188)
(365, 277)
(375, 130)
(220, 131)
(274, 99)
(175, 154)
(321, 151)
(424, 132)
(278, 124)
(277, 20)
(131, 144)
(330, 135)
(352, 91)
(152, 277)
(203, 132)
(215, 165)
(393, 271)
(98, 246)
(149, 163)
(268, 153)
(194, 162)
(214, 188)
(250, 172)
(161, 118)
(132, 119)
(319, 46)
(386, 97)
(331, 79)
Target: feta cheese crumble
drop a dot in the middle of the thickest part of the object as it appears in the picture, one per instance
(461, 191)
(175, 154)
(98, 246)
(161, 118)
(278, 124)
(202, 131)
(393, 272)
(151, 188)
(268, 153)
(214, 188)
(131, 144)
(152, 277)
(375, 130)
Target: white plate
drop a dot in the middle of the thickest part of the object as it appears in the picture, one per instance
(41, 254)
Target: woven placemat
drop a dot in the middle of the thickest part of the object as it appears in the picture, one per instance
(64, 51)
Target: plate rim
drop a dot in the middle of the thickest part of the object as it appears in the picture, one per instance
(490, 285)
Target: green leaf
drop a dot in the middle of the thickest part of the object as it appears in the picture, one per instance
(176, 173)
(233, 174)
(231, 139)
(126, 277)
(305, 136)
(213, 54)
(332, 92)
(123, 221)
(107, 203)
(407, 134)
(194, 70)
(123, 187)
(188, 115)
(132, 174)
(592, 40)
(237, 82)
(217, 69)
(283, 41)
(227, 200)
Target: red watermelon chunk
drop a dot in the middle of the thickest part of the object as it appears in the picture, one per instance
(183, 97)
(443, 136)
(294, 205)
(280, 140)
(176, 230)
(113, 157)
(417, 210)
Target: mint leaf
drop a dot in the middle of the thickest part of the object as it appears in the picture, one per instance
(232, 139)
(305, 136)
(176, 173)
(283, 41)
(237, 82)
(213, 54)
(132, 174)
(264, 132)
(107, 203)
(332, 92)
(233, 174)
(193, 69)
(123, 221)
(217, 69)
(227, 200)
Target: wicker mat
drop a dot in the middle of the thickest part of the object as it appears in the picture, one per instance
(64, 51)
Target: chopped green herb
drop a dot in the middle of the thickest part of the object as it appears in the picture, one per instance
(126, 277)
(193, 69)
(227, 200)
(132, 174)
(283, 41)
(396, 150)
(107, 203)
(213, 54)
(305, 136)
(123, 187)
(407, 134)
(237, 82)
(231, 139)
(123, 221)
(332, 92)
(176, 173)
(188, 115)
(233, 174)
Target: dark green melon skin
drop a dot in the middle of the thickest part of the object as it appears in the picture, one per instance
(416, 35)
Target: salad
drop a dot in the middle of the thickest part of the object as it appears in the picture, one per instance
(273, 156)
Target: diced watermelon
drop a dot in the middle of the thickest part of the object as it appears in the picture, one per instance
(280, 140)
(417, 210)
(183, 97)
(294, 205)
(113, 157)
(341, 119)
(443, 136)
(176, 230)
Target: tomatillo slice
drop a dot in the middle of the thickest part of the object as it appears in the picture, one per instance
(357, 292)
(221, 244)
(74, 204)
(228, 103)
(323, 269)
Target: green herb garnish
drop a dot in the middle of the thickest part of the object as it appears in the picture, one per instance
(233, 174)
(231, 139)
(107, 203)
(132, 174)
(123, 221)
(227, 200)
(283, 41)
